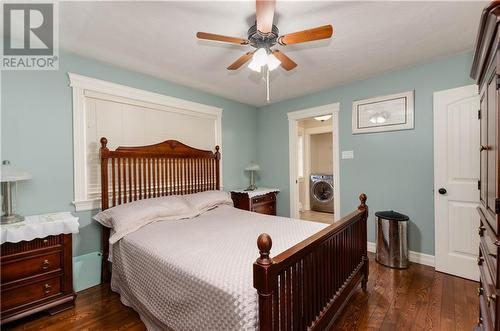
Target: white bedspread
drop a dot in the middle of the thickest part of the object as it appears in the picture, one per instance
(196, 274)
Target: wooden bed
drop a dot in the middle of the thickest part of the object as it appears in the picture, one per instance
(304, 287)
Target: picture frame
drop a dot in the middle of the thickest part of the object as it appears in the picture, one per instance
(392, 112)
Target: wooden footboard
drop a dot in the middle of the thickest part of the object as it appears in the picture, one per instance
(306, 286)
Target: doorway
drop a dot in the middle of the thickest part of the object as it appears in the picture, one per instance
(314, 164)
(456, 175)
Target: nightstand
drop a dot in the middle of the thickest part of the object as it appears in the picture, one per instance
(36, 265)
(262, 200)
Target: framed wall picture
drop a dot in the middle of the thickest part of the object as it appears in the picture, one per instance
(387, 113)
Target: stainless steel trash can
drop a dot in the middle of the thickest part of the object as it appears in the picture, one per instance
(392, 239)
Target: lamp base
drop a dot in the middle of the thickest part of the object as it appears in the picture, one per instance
(13, 218)
(251, 188)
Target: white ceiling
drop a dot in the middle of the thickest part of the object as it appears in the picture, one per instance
(158, 38)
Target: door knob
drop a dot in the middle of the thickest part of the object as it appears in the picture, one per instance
(442, 190)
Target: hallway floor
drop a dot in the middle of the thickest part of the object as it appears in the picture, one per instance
(316, 216)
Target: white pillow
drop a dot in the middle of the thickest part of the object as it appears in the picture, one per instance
(129, 217)
(207, 200)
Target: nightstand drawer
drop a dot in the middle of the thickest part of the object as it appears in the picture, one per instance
(30, 293)
(264, 198)
(264, 201)
(31, 266)
(265, 208)
(24, 246)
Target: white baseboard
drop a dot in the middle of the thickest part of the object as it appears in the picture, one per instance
(415, 257)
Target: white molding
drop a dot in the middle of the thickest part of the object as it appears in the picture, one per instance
(315, 111)
(84, 86)
(83, 205)
(415, 257)
(295, 116)
(307, 171)
(97, 85)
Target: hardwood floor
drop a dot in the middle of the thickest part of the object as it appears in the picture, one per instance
(316, 216)
(414, 299)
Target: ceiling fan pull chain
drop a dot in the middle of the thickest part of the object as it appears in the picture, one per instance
(267, 84)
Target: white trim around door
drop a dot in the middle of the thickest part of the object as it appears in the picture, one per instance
(293, 117)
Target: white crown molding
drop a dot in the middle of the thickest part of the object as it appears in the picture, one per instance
(415, 257)
(93, 84)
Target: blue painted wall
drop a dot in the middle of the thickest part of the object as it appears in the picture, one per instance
(395, 169)
(37, 134)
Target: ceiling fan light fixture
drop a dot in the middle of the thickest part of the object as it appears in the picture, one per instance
(272, 62)
(260, 57)
(253, 65)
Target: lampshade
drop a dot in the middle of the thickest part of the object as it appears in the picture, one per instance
(11, 173)
(254, 66)
(252, 167)
(272, 62)
(260, 57)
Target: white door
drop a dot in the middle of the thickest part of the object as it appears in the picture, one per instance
(456, 172)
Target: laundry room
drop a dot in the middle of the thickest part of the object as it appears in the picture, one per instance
(315, 169)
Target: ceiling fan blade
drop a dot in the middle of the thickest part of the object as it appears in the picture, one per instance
(286, 62)
(241, 61)
(218, 37)
(265, 15)
(322, 32)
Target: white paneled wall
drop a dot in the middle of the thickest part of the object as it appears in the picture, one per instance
(128, 116)
(126, 123)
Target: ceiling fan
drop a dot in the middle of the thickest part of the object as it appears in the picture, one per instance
(263, 35)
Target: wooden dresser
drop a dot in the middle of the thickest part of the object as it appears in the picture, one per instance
(36, 276)
(263, 204)
(485, 70)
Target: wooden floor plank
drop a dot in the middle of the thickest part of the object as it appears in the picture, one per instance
(422, 292)
(448, 304)
(418, 298)
(433, 315)
(394, 313)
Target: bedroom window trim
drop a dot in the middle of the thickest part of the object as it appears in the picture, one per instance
(81, 85)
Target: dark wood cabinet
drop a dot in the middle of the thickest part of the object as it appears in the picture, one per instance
(263, 204)
(485, 70)
(36, 276)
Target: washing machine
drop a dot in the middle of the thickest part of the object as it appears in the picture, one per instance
(321, 192)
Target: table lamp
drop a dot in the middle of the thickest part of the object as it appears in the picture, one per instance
(252, 168)
(8, 176)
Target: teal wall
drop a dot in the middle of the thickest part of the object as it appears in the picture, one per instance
(395, 169)
(37, 134)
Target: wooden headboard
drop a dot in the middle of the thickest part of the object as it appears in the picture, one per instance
(168, 168)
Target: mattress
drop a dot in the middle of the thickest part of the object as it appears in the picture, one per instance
(196, 274)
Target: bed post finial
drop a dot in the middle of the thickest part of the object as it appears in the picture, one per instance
(104, 142)
(217, 153)
(264, 243)
(362, 198)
